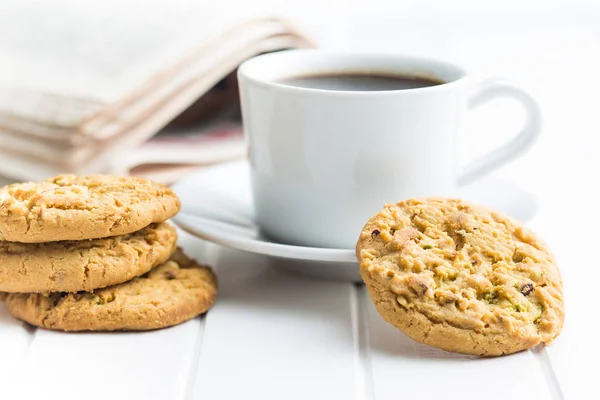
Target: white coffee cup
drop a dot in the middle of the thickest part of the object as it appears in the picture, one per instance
(324, 161)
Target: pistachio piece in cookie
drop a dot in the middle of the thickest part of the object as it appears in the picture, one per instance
(460, 277)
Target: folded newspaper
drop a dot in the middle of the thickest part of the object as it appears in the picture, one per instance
(88, 88)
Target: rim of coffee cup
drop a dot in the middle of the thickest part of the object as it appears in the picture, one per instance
(260, 71)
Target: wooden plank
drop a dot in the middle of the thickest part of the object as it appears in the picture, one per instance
(571, 234)
(148, 365)
(405, 369)
(15, 339)
(273, 335)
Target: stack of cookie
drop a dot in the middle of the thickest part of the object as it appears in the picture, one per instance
(95, 253)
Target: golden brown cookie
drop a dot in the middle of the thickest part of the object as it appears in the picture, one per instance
(72, 266)
(69, 207)
(461, 277)
(170, 294)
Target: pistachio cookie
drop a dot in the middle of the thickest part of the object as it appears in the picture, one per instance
(71, 266)
(460, 277)
(69, 207)
(171, 293)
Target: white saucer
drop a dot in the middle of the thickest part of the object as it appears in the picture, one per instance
(217, 206)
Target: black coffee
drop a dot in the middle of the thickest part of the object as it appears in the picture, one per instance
(362, 82)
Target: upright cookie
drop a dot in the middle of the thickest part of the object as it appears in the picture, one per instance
(460, 277)
(69, 207)
(171, 293)
(72, 266)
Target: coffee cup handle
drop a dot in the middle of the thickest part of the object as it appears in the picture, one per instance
(490, 90)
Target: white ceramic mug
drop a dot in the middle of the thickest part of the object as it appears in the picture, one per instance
(324, 161)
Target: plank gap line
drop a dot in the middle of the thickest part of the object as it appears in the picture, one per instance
(31, 333)
(195, 363)
(360, 332)
(542, 356)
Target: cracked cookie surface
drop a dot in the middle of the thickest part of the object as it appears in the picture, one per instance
(71, 266)
(173, 292)
(461, 277)
(69, 207)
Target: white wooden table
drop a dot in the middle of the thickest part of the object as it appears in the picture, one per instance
(274, 336)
